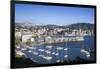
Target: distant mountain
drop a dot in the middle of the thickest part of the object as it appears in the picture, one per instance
(84, 26)
(51, 26)
(23, 25)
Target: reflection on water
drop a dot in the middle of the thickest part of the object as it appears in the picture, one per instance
(47, 54)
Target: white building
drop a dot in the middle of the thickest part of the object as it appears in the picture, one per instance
(32, 40)
(26, 37)
(18, 34)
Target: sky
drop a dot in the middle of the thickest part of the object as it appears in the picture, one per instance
(57, 15)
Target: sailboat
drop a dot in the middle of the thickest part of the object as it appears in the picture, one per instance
(65, 49)
(66, 55)
(49, 47)
(41, 55)
(23, 49)
(48, 56)
(85, 51)
(53, 53)
(58, 60)
(30, 51)
(65, 52)
(57, 54)
(35, 53)
(41, 50)
(59, 48)
(32, 48)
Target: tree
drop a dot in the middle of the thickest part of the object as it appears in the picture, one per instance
(28, 42)
(17, 42)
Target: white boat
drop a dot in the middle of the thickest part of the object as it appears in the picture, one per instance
(35, 53)
(47, 51)
(23, 49)
(65, 56)
(53, 53)
(31, 47)
(82, 50)
(58, 61)
(48, 46)
(47, 57)
(59, 48)
(41, 55)
(88, 55)
(41, 50)
(65, 49)
(57, 54)
(29, 51)
(86, 52)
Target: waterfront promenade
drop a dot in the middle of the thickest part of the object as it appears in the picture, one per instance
(57, 40)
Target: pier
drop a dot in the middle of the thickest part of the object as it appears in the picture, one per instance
(56, 40)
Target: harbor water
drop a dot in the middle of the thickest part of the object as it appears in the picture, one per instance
(48, 54)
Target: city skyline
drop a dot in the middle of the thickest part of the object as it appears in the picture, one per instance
(56, 15)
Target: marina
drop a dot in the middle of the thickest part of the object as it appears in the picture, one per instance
(58, 53)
